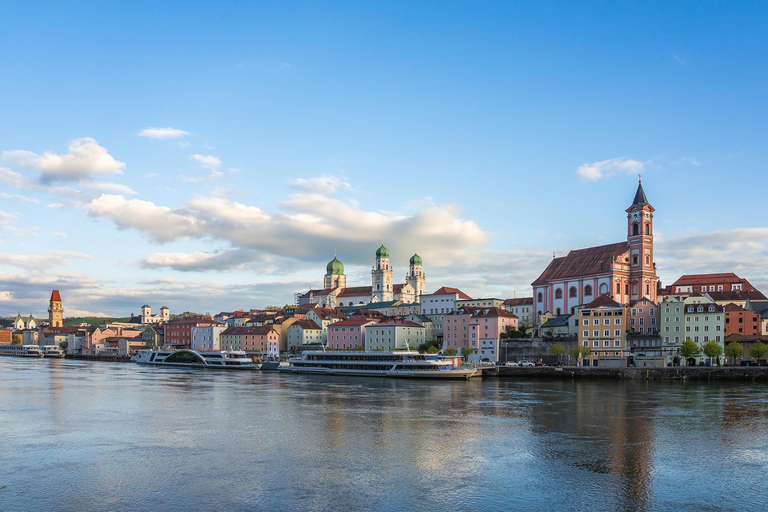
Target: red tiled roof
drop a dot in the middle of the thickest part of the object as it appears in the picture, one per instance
(582, 262)
(355, 290)
(603, 301)
(524, 301)
(722, 278)
(327, 291)
(55, 297)
(447, 290)
(397, 323)
(251, 331)
(306, 324)
(354, 321)
(491, 313)
(643, 299)
(737, 295)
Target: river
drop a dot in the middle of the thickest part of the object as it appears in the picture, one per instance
(79, 435)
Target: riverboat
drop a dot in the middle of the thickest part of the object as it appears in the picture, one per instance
(223, 360)
(405, 364)
(53, 352)
(20, 350)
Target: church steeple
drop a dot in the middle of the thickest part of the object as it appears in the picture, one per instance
(640, 199)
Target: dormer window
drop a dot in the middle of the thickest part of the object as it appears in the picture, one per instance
(711, 309)
(700, 309)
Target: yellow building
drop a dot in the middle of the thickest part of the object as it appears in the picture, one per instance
(603, 326)
(55, 310)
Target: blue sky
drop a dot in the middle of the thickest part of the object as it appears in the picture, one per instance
(210, 156)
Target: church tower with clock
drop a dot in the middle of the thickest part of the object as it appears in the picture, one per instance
(642, 268)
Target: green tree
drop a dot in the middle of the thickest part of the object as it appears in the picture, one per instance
(712, 350)
(16, 339)
(360, 348)
(450, 352)
(466, 352)
(734, 350)
(63, 345)
(558, 349)
(758, 350)
(580, 351)
(689, 349)
(432, 350)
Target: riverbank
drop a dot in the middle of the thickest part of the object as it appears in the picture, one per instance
(701, 373)
(106, 359)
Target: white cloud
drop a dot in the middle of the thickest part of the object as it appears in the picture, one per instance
(23, 199)
(151, 175)
(59, 234)
(325, 184)
(36, 262)
(162, 133)
(208, 161)
(285, 65)
(6, 296)
(84, 158)
(598, 170)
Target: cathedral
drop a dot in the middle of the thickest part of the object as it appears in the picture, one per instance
(336, 293)
(625, 270)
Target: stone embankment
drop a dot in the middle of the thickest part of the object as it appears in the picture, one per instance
(109, 359)
(732, 373)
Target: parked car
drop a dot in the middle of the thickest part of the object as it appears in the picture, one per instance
(557, 363)
(539, 363)
(511, 363)
(525, 363)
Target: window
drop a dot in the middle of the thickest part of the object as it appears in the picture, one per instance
(572, 292)
(586, 334)
(617, 332)
(606, 343)
(616, 343)
(634, 259)
(607, 321)
(606, 333)
(617, 321)
(595, 343)
(558, 293)
(634, 229)
(596, 333)
(588, 290)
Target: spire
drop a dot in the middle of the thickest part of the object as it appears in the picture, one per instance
(640, 199)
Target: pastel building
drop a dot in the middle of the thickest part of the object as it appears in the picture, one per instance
(644, 317)
(522, 308)
(147, 317)
(206, 338)
(178, 332)
(477, 329)
(603, 324)
(702, 283)
(625, 271)
(389, 335)
(304, 332)
(741, 321)
(55, 310)
(348, 334)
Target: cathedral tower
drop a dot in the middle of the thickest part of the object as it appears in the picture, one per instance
(55, 310)
(382, 289)
(416, 277)
(334, 274)
(642, 269)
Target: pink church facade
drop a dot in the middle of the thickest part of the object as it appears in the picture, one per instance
(625, 271)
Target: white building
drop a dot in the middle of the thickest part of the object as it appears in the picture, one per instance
(206, 338)
(390, 335)
(148, 318)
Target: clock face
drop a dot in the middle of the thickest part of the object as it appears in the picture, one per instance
(635, 216)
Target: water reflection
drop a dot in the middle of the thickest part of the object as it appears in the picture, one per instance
(121, 437)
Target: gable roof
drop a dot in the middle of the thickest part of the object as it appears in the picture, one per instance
(523, 301)
(355, 290)
(582, 262)
(558, 321)
(447, 290)
(354, 321)
(736, 295)
(603, 301)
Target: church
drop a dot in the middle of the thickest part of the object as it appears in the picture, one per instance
(625, 270)
(336, 293)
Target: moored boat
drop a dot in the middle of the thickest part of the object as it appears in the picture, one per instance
(52, 352)
(405, 364)
(20, 350)
(220, 360)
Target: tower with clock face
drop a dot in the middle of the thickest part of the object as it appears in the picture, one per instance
(642, 269)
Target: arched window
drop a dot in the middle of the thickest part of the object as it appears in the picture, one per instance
(558, 293)
(588, 290)
(634, 229)
(350, 303)
(539, 297)
(647, 228)
(557, 312)
(634, 259)
(647, 260)
(603, 288)
(618, 288)
(572, 292)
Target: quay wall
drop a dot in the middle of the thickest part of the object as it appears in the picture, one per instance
(108, 359)
(699, 373)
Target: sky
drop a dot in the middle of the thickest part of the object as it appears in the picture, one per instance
(209, 156)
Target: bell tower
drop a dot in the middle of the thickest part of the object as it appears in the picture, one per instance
(381, 277)
(55, 310)
(642, 268)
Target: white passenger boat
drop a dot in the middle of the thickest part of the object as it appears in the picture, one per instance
(223, 360)
(53, 352)
(378, 364)
(20, 350)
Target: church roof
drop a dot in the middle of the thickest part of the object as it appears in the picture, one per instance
(55, 297)
(582, 262)
(640, 199)
(558, 321)
(603, 301)
(355, 291)
(522, 301)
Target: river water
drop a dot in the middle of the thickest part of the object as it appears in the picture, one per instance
(78, 435)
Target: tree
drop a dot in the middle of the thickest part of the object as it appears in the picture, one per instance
(450, 352)
(712, 349)
(466, 352)
(63, 345)
(16, 339)
(689, 349)
(432, 350)
(734, 350)
(360, 348)
(558, 349)
(758, 350)
(580, 351)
